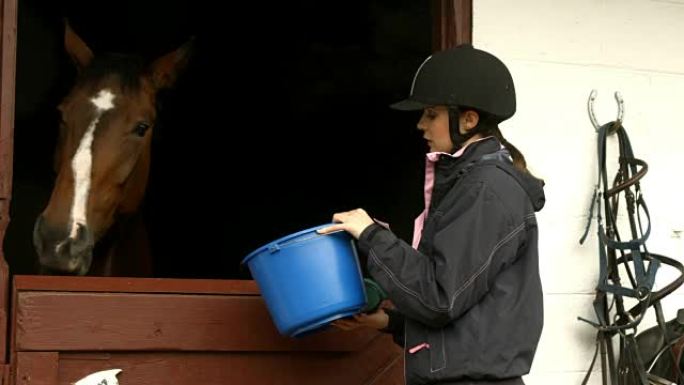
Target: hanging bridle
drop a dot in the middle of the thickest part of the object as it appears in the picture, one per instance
(639, 264)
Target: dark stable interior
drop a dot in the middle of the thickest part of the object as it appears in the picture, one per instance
(280, 119)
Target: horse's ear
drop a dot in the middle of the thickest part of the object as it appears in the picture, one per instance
(165, 69)
(76, 47)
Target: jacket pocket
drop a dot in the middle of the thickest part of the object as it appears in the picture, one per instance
(419, 351)
(438, 358)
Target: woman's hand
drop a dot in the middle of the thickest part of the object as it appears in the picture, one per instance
(376, 320)
(353, 222)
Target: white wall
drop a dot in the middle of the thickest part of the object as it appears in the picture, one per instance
(558, 51)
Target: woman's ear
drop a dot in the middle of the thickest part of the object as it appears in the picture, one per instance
(470, 120)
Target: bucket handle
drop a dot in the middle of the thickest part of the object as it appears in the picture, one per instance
(274, 248)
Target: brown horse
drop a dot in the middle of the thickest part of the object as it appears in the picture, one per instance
(91, 224)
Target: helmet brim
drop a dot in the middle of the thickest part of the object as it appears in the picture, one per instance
(409, 105)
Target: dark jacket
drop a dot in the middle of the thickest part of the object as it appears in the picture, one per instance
(472, 290)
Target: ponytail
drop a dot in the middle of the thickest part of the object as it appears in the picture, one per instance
(518, 158)
(519, 161)
(489, 125)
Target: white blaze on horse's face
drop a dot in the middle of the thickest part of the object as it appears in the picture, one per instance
(82, 163)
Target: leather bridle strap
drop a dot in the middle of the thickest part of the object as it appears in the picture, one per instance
(634, 257)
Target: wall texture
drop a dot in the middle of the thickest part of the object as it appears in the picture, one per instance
(558, 52)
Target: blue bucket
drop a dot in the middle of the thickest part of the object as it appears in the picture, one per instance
(308, 280)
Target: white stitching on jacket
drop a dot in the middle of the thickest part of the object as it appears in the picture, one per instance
(444, 357)
(462, 288)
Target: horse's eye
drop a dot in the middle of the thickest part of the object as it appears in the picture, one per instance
(141, 128)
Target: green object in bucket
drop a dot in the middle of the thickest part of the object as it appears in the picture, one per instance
(374, 294)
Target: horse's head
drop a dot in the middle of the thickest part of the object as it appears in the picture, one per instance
(102, 157)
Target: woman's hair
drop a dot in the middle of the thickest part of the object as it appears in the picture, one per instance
(489, 125)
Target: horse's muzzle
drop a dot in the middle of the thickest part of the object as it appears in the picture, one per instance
(60, 253)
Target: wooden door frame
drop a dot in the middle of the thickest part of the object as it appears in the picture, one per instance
(8, 55)
(452, 23)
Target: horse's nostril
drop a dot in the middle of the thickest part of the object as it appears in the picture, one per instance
(82, 242)
(80, 233)
(60, 251)
(63, 248)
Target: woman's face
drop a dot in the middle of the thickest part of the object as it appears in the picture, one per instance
(435, 126)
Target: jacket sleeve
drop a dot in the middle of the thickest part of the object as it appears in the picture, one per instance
(474, 239)
(395, 326)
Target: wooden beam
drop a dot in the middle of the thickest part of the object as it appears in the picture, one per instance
(134, 285)
(8, 55)
(7, 85)
(452, 23)
(64, 321)
(36, 368)
(284, 368)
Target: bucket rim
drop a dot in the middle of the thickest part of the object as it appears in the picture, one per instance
(287, 238)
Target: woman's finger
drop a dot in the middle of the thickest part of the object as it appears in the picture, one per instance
(343, 324)
(331, 229)
(340, 217)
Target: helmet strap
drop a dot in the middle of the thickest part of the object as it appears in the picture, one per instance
(457, 138)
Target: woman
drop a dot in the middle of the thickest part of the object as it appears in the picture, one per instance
(467, 297)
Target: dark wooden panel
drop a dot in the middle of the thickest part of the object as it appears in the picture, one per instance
(47, 321)
(8, 54)
(36, 368)
(7, 85)
(6, 375)
(393, 374)
(452, 23)
(4, 306)
(134, 285)
(303, 368)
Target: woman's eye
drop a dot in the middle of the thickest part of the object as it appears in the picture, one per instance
(141, 128)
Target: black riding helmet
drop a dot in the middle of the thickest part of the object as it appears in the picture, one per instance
(462, 77)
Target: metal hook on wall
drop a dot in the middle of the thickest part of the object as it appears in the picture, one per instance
(621, 111)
